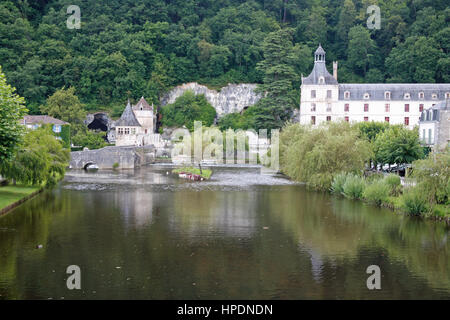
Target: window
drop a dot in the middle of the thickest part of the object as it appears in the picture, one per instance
(328, 118)
(386, 119)
(421, 95)
(347, 107)
(434, 96)
(429, 136)
(127, 130)
(366, 96)
(313, 107)
(366, 107)
(347, 95)
(321, 80)
(387, 107)
(406, 121)
(423, 135)
(387, 95)
(313, 119)
(133, 130)
(366, 119)
(407, 96)
(329, 107)
(329, 94)
(56, 128)
(420, 107)
(120, 131)
(447, 95)
(347, 119)
(407, 107)
(313, 93)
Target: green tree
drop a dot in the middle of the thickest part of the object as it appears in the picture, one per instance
(416, 60)
(12, 109)
(39, 160)
(89, 139)
(279, 76)
(346, 20)
(397, 145)
(433, 177)
(186, 109)
(360, 49)
(316, 155)
(64, 105)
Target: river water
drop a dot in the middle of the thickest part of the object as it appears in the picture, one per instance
(144, 234)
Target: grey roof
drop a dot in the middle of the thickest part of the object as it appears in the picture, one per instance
(128, 118)
(320, 50)
(42, 120)
(376, 91)
(443, 105)
(319, 70)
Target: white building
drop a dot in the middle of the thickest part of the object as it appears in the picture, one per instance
(136, 126)
(324, 99)
(434, 126)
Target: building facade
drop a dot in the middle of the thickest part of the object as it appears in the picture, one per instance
(434, 126)
(136, 126)
(324, 99)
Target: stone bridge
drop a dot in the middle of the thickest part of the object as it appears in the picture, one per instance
(110, 157)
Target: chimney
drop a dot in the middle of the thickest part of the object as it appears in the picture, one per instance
(335, 66)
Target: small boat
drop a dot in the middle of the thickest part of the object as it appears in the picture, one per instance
(91, 167)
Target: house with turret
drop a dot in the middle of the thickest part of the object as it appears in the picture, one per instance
(323, 98)
(136, 126)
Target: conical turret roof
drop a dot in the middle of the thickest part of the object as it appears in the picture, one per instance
(128, 118)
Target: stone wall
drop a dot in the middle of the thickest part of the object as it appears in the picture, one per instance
(232, 98)
(105, 158)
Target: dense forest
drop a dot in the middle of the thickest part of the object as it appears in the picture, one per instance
(127, 48)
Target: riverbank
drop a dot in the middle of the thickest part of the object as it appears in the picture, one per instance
(12, 196)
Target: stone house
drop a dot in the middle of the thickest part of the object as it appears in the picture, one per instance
(136, 126)
(434, 126)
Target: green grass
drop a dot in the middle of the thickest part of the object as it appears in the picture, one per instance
(11, 194)
(206, 173)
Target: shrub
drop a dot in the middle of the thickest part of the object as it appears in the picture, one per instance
(374, 177)
(354, 187)
(338, 183)
(394, 184)
(115, 165)
(377, 192)
(415, 202)
(433, 176)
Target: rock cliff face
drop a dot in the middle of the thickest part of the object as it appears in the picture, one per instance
(232, 98)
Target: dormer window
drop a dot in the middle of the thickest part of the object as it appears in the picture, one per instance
(321, 80)
(407, 96)
(421, 95)
(366, 96)
(347, 95)
(387, 95)
(447, 95)
(434, 96)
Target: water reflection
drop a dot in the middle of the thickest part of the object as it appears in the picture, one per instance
(147, 235)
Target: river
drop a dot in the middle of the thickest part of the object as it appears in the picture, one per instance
(144, 234)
